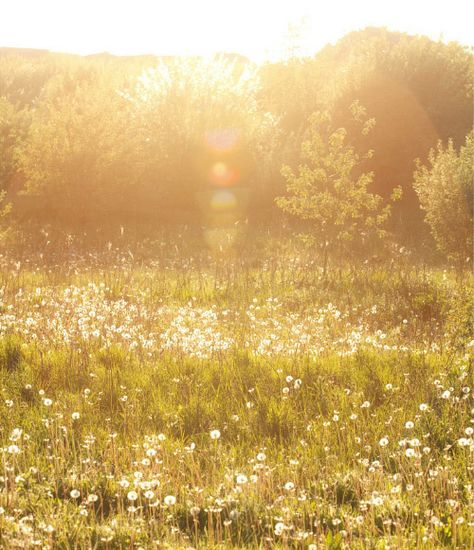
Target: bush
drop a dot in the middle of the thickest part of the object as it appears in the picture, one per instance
(331, 192)
(445, 191)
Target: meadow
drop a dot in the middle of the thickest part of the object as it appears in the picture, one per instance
(165, 397)
(236, 286)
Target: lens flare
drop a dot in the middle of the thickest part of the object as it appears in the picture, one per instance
(222, 139)
(223, 163)
(223, 201)
(222, 175)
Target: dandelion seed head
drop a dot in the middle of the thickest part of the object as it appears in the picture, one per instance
(215, 434)
(170, 500)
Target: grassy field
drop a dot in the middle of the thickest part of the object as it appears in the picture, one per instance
(187, 401)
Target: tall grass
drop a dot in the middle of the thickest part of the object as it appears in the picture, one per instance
(168, 399)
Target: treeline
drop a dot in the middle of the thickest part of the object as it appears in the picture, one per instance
(108, 139)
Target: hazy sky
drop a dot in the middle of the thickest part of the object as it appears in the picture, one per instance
(255, 28)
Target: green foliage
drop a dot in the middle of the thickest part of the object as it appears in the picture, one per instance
(179, 108)
(445, 189)
(106, 140)
(328, 191)
(13, 128)
(394, 75)
(79, 156)
(10, 354)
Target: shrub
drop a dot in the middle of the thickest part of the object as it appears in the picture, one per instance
(445, 190)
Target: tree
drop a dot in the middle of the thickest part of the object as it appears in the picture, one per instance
(180, 108)
(13, 129)
(330, 191)
(79, 157)
(445, 190)
(418, 90)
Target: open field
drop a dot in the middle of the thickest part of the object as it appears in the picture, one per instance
(195, 402)
(236, 286)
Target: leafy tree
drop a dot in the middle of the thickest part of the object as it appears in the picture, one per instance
(80, 156)
(23, 76)
(13, 129)
(418, 90)
(329, 191)
(445, 189)
(178, 106)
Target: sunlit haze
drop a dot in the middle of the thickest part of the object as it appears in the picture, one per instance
(259, 30)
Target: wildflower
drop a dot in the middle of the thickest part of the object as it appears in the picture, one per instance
(132, 496)
(92, 498)
(149, 494)
(261, 457)
(241, 479)
(75, 415)
(279, 528)
(409, 425)
(383, 442)
(170, 500)
(423, 407)
(75, 494)
(377, 500)
(215, 434)
(47, 402)
(16, 434)
(289, 486)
